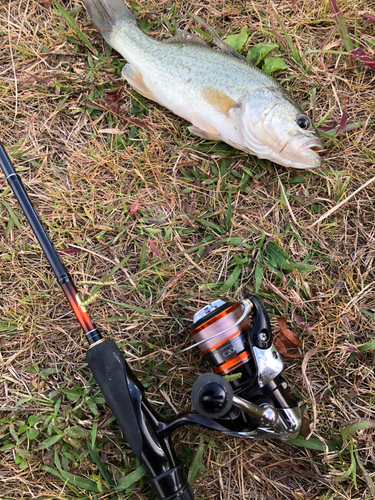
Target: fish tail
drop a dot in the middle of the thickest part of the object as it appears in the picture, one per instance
(108, 14)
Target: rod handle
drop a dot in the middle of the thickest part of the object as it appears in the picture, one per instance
(140, 424)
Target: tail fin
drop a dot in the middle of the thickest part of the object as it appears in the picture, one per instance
(106, 14)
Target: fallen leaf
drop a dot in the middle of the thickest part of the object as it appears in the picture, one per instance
(140, 123)
(365, 59)
(291, 353)
(369, 16)
(70, 251)
(134, 208)
(324, 128)
(172, 282)
(305, 424)
(154, 249)
(113, 95)
(287, 342)
(114, 99)
(343, 122)
(175, 278)
(289, 338)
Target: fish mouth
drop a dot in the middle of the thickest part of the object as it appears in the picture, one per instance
(302, 152)
(314, 144)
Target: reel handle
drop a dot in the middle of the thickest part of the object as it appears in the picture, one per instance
(138, 421)
(212, 395)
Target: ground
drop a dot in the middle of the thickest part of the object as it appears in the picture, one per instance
(172, 222)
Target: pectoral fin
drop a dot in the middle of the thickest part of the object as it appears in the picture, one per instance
(219, 100)
(135, 79)
(204, 135)
(203, 129)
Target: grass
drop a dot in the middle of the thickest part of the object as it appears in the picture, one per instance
(166, 223)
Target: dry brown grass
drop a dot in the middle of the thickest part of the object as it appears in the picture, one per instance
(83, 181)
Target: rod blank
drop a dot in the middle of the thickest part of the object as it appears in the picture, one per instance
(62, 275)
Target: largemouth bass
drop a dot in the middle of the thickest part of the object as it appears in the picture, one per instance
(224, 96)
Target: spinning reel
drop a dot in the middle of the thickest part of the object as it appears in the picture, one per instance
(245, 391)
(244, 395)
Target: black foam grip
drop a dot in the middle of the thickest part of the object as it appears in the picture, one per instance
(139, 423)
(109, 368)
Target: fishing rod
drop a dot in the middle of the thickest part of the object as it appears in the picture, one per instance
(243, 395)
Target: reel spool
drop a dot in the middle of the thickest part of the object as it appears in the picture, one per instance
(221, 333)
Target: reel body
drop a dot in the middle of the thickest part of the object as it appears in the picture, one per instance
(236, 341)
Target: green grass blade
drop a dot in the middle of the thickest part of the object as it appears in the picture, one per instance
(293, 49)
(73, 25)
(366, 475)
(96, 459)
(232, 278)
(325, 116)
(351, 471)
(128, 306)
(348, 128)
(81, 482)
(364, 423)
(258, 274)
(105, 278)
(142, 263)
(12, 214)
(341, 25)
(94, 432)
(50, 441)
(200, 21)
(228, 222)
(367, 346)
(125, 482)
(314, 444)
(197, 462)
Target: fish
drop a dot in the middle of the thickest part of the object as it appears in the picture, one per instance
(222, 94)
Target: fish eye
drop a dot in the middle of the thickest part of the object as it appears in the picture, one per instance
(303, 122)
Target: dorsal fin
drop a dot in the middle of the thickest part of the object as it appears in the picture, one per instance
(184, 37)
(224, 47)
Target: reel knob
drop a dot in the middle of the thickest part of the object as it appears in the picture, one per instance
(212, 395)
